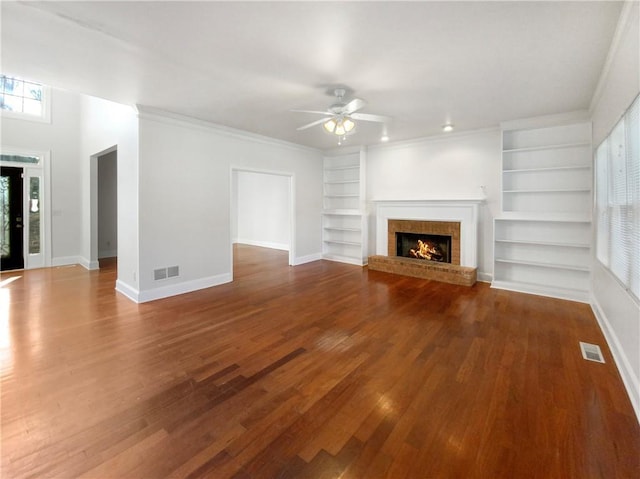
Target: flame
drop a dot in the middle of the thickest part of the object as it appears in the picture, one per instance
(427, 250)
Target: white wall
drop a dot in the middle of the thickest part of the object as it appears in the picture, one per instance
(618, 313)
(466, 165)
(262, 210)
(108, 205)
(185, 201)
(60, 137)
(105, 125)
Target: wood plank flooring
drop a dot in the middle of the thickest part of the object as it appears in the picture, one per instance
(324, 370)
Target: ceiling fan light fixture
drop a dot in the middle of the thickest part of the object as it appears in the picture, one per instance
(348, 124)
(330, 125)
(340, 129)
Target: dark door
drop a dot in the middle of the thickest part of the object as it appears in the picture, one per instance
(11, 233)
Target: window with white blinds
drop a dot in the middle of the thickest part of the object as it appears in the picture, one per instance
(617, 200)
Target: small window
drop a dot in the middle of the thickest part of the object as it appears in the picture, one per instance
(23, 99)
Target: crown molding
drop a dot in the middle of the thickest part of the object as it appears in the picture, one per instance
(624, 22)
(579, 116)
(163, 116)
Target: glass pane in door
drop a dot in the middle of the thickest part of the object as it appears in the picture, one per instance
(34, 215)
(5, 237)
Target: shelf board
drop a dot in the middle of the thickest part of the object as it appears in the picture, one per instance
(543, 265)
(564, 190)
(343, 212)
(544, 217)
(339, 228)
(544, 243)
(341, 182)
(348, 243)
(547, 147)
(340, 168)
(358, 261)
(572, 294)
(551, 169)
(342, 196)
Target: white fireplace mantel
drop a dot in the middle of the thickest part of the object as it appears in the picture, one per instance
(465, 211)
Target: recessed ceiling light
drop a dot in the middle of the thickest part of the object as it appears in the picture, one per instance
(447, 128)
(384, 138)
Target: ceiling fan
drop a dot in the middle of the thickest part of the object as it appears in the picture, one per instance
(339, 117)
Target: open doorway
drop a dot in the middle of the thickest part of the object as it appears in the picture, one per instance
(104, 208)
(262, 210)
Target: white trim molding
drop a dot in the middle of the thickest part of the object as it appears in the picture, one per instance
(263, 244)
(465, 211)
(172, 289)
(631, 382)
(307, 259)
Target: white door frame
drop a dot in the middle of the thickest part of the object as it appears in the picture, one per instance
(93, 195)
(43, 171)
(233, 207)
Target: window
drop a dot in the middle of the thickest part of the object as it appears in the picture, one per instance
(617, 200)
(23, 99)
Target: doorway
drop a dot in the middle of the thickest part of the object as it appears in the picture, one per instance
(12, 218)
(262, 209)
(104, 207)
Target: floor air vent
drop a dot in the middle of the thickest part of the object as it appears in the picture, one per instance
(591, 352)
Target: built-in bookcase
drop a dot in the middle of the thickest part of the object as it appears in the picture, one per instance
(543, 236)
(344, 218)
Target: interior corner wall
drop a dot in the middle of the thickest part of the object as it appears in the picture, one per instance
(462, 166)
(60, 137)
(185, 172)
(262, 210)
(617, 311)
(105, 124)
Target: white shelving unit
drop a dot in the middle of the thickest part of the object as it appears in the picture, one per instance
(542, 240)
(344, 219)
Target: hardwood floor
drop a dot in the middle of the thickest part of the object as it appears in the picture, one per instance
(319, 371)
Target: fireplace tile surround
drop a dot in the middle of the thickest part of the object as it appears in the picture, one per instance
(457, 218)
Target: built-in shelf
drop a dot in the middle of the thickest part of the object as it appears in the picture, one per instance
(338, 228)
(549, 169)
(344, 218)
(545, 243)
(561, 190)
(340, 168)
(547, 147)
(341, 182)
(542, 237)
(538, 264)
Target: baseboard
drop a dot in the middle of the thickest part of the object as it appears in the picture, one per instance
(307, 259)
(264, 244)
(631, 382)
(90, 265)
(68, 260)
(485, 277)
(182, 288)
(131, 293)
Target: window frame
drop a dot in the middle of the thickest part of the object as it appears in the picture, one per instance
(44, 117)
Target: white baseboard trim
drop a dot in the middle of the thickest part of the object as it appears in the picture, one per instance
(90, 265)
(108, 253)
(484, 277)
(182, 288)
(631, 382)
(264, 244)
(307, 259)
(131, 293)
(65, 261)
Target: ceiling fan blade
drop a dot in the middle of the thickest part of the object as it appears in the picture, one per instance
(313, 111)
(368, 117)
(313, 123)
(353, 106)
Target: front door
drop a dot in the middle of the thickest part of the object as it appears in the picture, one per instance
(11, 218)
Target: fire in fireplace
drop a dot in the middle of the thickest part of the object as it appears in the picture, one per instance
(424, 246)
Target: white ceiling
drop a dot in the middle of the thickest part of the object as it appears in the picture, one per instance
(245, 65)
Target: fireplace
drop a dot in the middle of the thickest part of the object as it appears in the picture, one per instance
(424, 246)
(448, 227)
